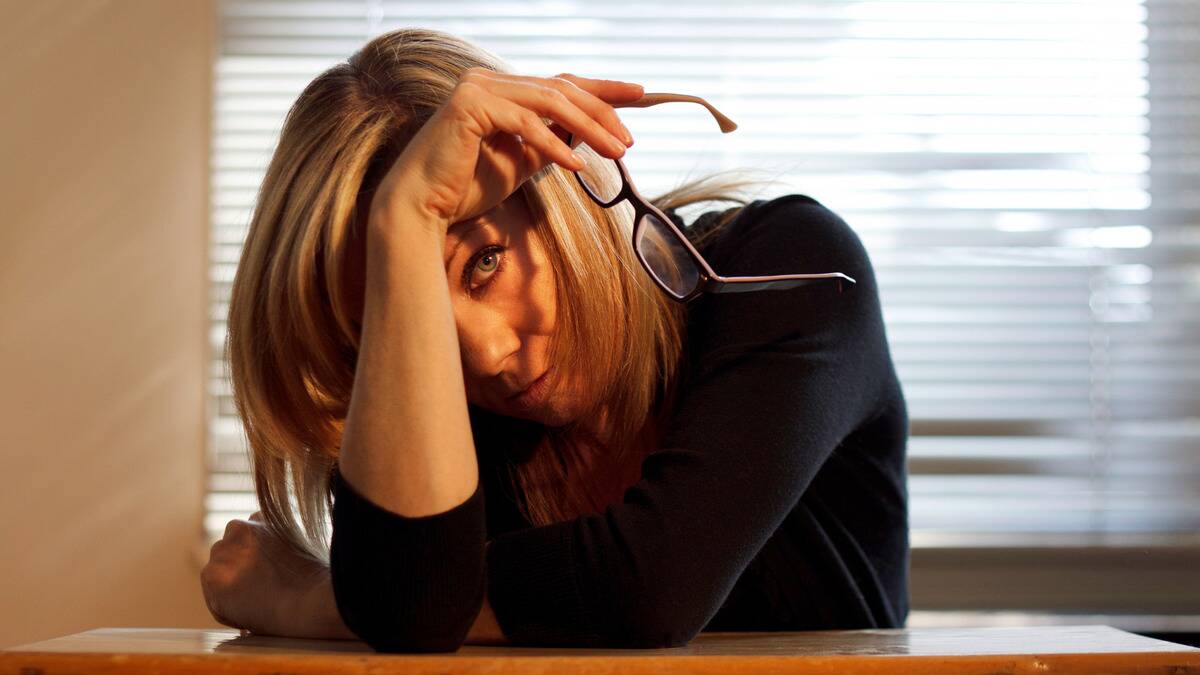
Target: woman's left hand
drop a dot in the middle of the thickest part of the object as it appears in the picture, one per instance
(253, 579)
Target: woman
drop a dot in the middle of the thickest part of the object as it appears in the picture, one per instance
(733, 462)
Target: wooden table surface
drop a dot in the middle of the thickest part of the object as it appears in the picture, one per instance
(1039, 649)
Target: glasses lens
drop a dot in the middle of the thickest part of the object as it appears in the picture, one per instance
(666, 256)
(600, 176)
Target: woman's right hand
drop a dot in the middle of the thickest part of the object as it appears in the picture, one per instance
(489, 137)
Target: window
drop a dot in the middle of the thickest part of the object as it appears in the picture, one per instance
(1023, 175)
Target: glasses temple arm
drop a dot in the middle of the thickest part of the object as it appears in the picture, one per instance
(727, 125)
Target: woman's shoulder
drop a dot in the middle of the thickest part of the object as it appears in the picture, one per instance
(790, 234)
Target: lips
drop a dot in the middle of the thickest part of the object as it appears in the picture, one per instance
(529, 394)
(527, 387)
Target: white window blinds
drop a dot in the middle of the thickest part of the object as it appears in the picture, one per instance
(1023, 175)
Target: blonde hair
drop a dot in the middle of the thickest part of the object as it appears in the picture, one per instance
(296, 301)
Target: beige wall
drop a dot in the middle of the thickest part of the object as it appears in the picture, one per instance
(104, 118)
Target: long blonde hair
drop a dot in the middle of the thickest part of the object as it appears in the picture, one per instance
(296, 301)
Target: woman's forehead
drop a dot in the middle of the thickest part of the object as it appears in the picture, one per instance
(458, 233)
(511, 215)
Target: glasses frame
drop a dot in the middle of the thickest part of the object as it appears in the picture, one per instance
(710, 281)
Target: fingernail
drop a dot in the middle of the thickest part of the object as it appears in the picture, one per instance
(627, 137)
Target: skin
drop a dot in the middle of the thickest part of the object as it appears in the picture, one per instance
(505, 313)
(474, 152)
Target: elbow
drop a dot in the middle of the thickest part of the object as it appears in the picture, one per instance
(415, 642)
(398, 603)
(402, 643)
(407, 584)
(440, 625)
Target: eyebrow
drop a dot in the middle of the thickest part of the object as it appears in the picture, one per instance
(460, 231)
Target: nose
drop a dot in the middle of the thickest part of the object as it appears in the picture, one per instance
(488, 344)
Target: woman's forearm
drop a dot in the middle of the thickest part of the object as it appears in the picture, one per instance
(407, 556)
(407, 441)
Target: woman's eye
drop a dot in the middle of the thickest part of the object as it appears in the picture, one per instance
(485, 264)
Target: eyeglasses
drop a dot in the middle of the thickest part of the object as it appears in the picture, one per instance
(664, 251)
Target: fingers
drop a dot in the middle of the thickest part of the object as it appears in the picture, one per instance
(576, 90)
(562, 101)
(540, 144)
(609, 90)
(210, 599)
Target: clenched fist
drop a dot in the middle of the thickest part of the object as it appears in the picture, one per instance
(255, 581)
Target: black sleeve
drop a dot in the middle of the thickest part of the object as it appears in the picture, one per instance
(407, 584)
(782, 378)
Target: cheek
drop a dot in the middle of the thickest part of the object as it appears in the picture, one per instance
(548, 295)
(532, 283)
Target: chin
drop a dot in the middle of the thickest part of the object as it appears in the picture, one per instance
(551, 416)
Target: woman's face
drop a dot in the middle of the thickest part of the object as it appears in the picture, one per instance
(503, 294)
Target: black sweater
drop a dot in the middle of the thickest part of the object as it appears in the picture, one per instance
(778, 500)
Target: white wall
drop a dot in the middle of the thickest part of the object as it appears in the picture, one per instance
(103, 234)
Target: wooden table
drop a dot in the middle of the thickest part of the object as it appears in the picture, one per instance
(1040, 649)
